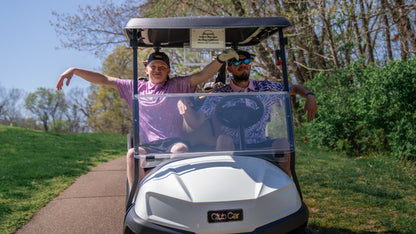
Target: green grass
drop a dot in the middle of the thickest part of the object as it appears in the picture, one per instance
(36, 166)
(375, 194)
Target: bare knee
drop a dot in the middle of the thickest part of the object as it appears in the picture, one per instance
(179, 148)
(225, 142)
(130, 154)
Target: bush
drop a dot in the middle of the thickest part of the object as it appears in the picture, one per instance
(363, 109)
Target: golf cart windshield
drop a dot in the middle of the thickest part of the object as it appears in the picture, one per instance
(245, 124)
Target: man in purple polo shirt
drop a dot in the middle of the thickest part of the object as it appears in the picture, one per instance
(155, 137)
(240, 82)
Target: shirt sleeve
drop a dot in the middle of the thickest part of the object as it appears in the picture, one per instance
(181, 84)
(125, 89)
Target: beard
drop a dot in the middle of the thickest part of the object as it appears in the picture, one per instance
(243, 77)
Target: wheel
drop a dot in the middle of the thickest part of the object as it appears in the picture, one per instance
(302, 230)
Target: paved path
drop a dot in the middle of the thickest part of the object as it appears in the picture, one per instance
(93, 204)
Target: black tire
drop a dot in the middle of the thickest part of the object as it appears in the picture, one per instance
(301, 230)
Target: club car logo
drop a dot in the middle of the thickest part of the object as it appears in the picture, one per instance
(219, 216)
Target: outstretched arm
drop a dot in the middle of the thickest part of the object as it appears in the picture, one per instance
(310, 106)
(90, 76)
(212, 68)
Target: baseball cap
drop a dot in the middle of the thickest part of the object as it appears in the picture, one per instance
(242, 52)
(245, 53)
(158, 56)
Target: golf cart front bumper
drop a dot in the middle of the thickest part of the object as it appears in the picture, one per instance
(299, 219)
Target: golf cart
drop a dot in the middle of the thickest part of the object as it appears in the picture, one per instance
(242, 190)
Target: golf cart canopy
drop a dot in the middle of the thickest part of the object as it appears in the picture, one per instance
(177, 32)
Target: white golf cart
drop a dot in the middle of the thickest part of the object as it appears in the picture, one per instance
(205, 190)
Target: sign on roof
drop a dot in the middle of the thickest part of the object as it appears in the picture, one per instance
(207, 38)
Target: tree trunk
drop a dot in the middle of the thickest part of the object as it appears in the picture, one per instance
(405, 33)
(364, 20)
(357, 30)
(327, 29)
(387, 29)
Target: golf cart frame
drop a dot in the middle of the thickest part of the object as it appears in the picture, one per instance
(176, 33)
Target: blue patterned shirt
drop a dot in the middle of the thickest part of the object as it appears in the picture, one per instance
(256, 133)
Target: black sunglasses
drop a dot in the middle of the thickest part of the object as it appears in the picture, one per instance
(238, 62)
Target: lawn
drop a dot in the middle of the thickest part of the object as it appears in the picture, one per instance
(36, 166)
(374, 194)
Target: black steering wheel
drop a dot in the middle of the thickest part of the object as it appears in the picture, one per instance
(233, 111)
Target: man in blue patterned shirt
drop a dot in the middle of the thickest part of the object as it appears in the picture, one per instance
(241, 82)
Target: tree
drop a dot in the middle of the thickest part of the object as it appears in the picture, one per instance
(109, 113)
(48, 106)
(79, 110)
(325, 35)
(3, 101)
(338, 32)
(9, 101)
(386, 23)
(371, 112)
(98, 29)
(406, 35)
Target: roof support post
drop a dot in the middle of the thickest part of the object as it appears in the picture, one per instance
(288, 108)
(282, 44)
(136, 127)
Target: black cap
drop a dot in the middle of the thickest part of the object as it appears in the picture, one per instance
(245, 53)
(242, 52)
(158, 56)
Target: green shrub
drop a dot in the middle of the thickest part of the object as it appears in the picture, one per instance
(363, 109)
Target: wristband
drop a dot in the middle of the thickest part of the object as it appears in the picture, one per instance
(309, 93)
(219, 60)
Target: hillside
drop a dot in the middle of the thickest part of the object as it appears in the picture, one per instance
(36, 166)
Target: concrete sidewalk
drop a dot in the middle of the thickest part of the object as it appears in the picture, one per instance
(93, 204)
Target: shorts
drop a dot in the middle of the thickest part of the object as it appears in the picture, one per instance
(161, 146)
(267, 144)
(262, 145)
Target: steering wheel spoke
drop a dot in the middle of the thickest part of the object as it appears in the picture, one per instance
(239, 112)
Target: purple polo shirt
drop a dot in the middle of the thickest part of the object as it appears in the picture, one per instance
(156, 112)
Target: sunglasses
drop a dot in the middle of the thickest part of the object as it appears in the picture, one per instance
(238, 62)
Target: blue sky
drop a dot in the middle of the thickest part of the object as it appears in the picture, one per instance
(29, 58)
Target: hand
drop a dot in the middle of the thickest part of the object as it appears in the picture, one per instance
(183, 106)
(311, 107)
(68, 74)
(219, 84)
(227, 55)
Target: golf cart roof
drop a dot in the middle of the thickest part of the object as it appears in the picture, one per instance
(176, 32)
